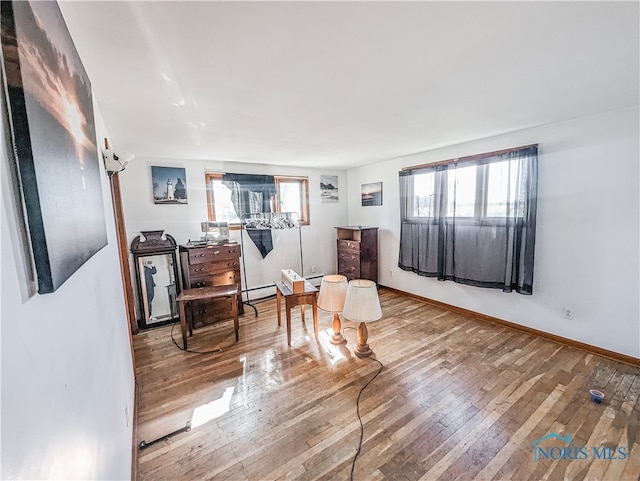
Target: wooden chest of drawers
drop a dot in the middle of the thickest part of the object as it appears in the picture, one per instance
(211, 265)
(358, 252)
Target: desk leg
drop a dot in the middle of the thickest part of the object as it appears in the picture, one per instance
(315, 320)
(234, 312)
(183, 324)
(288, 309)
(278, 304)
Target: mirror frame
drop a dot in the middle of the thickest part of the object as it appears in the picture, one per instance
(151, 243)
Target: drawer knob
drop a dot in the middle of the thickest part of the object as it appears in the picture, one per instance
(216, 252)
(199, 269)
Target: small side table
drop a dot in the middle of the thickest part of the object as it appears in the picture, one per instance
(297, 299)
(206, 293)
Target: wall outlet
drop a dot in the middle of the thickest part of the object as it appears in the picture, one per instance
(314, 269)
(390, 272)
(126, 414)
(567, 313)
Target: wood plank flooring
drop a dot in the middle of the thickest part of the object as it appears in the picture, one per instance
(457, 399)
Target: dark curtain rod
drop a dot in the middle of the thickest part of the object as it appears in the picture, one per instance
(469, 157)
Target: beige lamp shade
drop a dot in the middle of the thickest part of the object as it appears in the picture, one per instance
(332, 293)
(361, 303)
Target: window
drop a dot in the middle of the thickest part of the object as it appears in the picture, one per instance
(292, 195)
(480, 191)
(472, 220)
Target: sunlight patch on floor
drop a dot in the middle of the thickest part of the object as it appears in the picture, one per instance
(210, 411)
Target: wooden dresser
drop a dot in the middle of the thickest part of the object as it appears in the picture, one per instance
(211, 265)
(358, 252)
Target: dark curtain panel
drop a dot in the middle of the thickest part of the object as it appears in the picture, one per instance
(252, 194)
(472, 222)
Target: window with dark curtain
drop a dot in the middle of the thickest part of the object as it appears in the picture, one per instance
(252, 194)
(472, 220)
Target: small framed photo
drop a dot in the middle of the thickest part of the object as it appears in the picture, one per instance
(372, 194)
(169, 185)
(329, 189)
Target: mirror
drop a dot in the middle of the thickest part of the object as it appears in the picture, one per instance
(156, 271)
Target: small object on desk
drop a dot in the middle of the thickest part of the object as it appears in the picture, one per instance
(293, 299)
(215, 232)
(293, 281)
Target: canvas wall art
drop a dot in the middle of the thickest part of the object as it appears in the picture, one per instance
(54, 140)
(372, 194)
(169, 185)
(329, 189)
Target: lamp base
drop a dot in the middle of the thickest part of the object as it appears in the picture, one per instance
(363, 349)
(337, 337)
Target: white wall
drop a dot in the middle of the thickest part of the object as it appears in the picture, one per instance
(587, 239)
(67, 370)
(183, 221)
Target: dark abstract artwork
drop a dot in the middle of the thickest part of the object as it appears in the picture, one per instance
(53, 132)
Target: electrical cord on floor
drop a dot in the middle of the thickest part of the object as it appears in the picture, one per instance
(353, 464)
(190, 350)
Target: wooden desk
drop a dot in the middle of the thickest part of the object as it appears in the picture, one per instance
(203, 294)
(298, 299)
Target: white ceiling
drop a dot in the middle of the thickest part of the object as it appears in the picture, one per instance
(341, 84)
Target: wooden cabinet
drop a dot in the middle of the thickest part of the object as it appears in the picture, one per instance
(358, 252)
(211, 265)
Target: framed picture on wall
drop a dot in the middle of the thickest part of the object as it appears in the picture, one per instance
(372, 194)
(329, 189)
(169, 185)
(54, 140)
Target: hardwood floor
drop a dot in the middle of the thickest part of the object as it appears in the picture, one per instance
(458, 399)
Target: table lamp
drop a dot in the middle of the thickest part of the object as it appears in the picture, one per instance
(362, 305)
(331, 299)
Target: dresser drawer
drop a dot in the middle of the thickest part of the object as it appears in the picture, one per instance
(208, 268)
(220, 279)
(348, 257)
(349, 268)
(203, 313)
(213, 254)
(224, 278)
(348, 246)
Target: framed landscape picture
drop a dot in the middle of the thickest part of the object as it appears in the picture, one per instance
(54, 140)
(329, 189)
(169, 185)
(372, 194)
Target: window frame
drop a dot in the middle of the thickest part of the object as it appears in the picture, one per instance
(275, 203)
